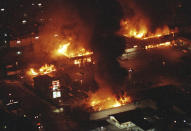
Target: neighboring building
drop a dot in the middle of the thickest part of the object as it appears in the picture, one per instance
(11, 62)
(104, 114)
(42, 85)
(47, 87)
(23, 42)
(14, 55)
(4, 38)
(140, 119)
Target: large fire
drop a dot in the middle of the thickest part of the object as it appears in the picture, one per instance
(45, 69)
(130, 30)
(81, 54)
(65, 50)
(140, 30)
(105, 99)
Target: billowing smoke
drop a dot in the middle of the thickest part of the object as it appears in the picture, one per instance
(63, 24)
(160, 12)
(92, 24)
(106, 44)
(156, 13)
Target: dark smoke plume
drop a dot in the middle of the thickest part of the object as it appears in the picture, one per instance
(95, 23)
(103, 18)
(105, 43)
(158, 12)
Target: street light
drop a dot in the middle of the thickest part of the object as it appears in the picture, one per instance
(24, 21)
(2, 9)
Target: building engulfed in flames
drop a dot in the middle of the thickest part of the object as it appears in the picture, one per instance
(64, 50)
(141, 31)
(138, 33)
(75, 58)
(43, 70)
(105, 99)
(109, 102)
(79, 56)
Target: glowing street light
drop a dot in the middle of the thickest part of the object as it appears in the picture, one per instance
(24, 21)
(39, 4)
(2, 9)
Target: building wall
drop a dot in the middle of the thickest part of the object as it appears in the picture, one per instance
(106, 113)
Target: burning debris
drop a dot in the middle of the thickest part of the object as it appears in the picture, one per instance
(105, 99)
(45, 69)
(166, 44)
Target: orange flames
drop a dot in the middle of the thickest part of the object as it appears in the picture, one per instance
(105, 99)
(140, 30)
(159, 32)
(158, 45)
(65, 50)
(130, 30)
(46, 69)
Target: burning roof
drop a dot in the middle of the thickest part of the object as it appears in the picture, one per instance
(43, 70)
(141, 31)
(64, 50)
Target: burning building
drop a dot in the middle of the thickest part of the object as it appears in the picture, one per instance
(46, 69)
(104, 99)
(77, 56)
(95, 37)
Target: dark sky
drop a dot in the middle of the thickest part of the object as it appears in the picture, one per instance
(159, 11)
